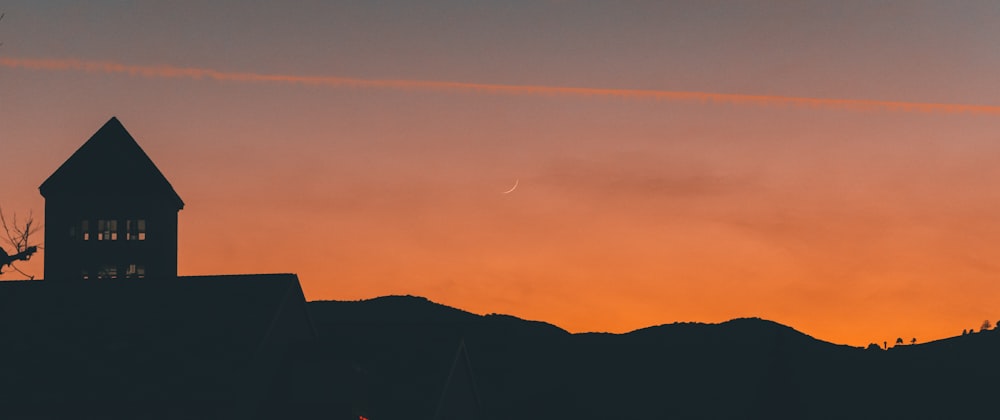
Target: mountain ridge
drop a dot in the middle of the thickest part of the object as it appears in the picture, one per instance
(759, 368)
(413, 302)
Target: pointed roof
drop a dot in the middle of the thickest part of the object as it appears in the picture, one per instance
(113, 163)
(459, 398)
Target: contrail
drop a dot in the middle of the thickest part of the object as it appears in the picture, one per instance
(172, 72)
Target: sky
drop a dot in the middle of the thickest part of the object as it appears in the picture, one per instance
(831, 166)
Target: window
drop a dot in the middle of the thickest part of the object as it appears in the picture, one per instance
(108, 272)
(107, 230)
(137, 271)
(135, 229)
(84, 230)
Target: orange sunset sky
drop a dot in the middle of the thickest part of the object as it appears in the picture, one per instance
(832, 166)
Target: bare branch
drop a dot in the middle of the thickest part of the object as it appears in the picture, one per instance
(18, 235)
(29, 276)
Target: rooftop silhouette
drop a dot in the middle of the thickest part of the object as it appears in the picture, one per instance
(110, 164)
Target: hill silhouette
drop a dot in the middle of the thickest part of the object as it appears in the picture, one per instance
(743, 368)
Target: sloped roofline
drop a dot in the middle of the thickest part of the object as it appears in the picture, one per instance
(78, 162)
(461, 358)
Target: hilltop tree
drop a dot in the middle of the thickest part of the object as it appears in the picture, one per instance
(913, 341)
(18, 236)
(899, 341)
(986, 326)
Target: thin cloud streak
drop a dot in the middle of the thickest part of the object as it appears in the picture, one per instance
(172, 72)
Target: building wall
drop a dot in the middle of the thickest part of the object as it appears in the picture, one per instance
(75, 253)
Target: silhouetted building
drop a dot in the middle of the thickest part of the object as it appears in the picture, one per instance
(110, 213)
(163, 347)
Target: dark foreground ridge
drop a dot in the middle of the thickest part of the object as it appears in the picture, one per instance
(744, 368)
(250, 347)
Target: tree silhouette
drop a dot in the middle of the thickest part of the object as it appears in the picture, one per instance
(986, 325)
(899, 341)
(913, 341)
(18, 235)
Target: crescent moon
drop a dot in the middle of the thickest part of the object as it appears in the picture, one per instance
(512, 188)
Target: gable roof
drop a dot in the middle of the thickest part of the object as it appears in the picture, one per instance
(208, 341)
(110, 162)
(459, 398)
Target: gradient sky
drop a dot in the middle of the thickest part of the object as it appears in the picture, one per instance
(328, 139)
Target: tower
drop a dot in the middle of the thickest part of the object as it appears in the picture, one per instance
(110, 213)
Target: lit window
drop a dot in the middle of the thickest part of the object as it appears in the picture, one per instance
(85, 230)
(137, 271)
(107, 230)
(85, 274)
(135, 229)
(108, 272)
